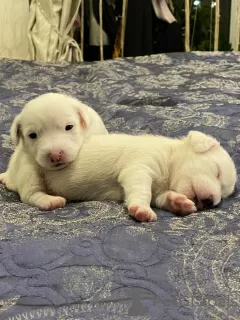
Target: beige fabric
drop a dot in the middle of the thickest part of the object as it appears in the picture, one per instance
(162, 10)
(51, 29)
(14, 17)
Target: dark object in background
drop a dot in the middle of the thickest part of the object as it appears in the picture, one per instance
(109, 18)
(167, 37)
(92, 52)
(138, 34)
(145, 33)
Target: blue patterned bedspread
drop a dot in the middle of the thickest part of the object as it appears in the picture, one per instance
(90, 260)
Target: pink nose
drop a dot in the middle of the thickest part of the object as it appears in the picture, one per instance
(56, 156)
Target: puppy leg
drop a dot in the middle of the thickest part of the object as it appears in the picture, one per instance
(43, 200)
(31, 189)
(175, 202)
(137, 185)
(23, 177)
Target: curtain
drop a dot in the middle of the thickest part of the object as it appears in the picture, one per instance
(14, 16)
(50, 30)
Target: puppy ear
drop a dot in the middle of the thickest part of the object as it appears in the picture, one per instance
(201, 142)
(83, 114)
(15, 131)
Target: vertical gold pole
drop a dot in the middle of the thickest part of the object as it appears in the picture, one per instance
(82, 27)
(216, 30)
(101, 29)
(124, 19)
(187, 26)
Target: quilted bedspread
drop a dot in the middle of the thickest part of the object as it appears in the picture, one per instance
(89, 260)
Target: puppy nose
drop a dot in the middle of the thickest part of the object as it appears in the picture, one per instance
(55, 156)
(207, 203)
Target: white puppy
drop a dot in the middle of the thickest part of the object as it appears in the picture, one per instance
(49, 133)
(179, 175)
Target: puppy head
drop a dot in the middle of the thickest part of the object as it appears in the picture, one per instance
(52, 128)
(203, 170)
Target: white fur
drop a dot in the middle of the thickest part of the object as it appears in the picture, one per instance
(142, 170)
(47, 116)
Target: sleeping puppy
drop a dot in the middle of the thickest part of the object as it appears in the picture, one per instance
(49, 132)
(178, 175)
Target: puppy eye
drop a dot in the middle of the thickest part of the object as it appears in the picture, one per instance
(69, 127)
(33, 135)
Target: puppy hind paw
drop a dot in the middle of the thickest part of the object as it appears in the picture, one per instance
(142, 213)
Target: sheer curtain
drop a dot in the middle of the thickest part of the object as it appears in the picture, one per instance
(50, 30)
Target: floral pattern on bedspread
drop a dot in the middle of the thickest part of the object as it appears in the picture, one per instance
(90, 260)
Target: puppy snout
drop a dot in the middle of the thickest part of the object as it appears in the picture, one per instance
(55, 156)
(207, 203)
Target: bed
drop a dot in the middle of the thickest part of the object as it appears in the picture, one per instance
(90, 260)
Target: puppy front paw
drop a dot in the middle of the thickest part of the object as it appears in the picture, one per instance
(5, 181)
(48, 202)
(3, 178)
(142, 213)
(180, 204)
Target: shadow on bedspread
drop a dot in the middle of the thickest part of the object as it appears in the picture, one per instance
(90, 260)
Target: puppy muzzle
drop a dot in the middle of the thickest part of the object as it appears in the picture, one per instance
(203, 204)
